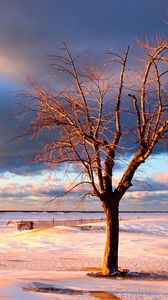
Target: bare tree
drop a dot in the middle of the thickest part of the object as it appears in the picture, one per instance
(88, 117)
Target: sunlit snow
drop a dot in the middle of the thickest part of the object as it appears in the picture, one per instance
(61, 256)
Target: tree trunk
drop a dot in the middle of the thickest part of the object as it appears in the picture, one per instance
(110, 262)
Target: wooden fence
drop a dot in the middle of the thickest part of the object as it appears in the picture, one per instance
(33, 224)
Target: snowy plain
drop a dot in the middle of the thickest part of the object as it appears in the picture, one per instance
(60, 257)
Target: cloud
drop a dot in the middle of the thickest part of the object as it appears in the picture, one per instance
(138, 195)
(148, 193)
(29, 30)
(149, 184)
(17, 191)
(37, 193)
(162, 177)
(137, 201)
(11, 68)
(41, 191)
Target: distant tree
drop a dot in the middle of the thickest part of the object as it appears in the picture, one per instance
(97, 116)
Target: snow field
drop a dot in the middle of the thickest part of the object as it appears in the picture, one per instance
(61, 256)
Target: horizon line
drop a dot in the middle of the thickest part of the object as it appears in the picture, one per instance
(86, 211)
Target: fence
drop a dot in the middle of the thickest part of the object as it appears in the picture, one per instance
(28, 225)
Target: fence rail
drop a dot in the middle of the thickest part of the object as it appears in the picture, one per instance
(34, 224)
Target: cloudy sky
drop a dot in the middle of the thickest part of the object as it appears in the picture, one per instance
(29, 32)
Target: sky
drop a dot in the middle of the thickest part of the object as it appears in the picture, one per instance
(29, 32)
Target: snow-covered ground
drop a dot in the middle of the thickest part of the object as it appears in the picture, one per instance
(61, 257)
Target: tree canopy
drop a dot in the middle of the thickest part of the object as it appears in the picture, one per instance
(102, 112)
(96, 116)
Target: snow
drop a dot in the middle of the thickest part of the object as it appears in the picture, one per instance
(61, 257)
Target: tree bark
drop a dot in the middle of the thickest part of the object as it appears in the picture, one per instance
(110, 262)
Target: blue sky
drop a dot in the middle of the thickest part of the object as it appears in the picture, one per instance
(29, 32)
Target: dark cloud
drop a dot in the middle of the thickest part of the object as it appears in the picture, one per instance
(30, 30)
(149, 184)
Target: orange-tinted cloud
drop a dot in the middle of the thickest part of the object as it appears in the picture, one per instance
(162, 177)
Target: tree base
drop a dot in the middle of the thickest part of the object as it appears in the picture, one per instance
(119, 273)
(126, 274)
